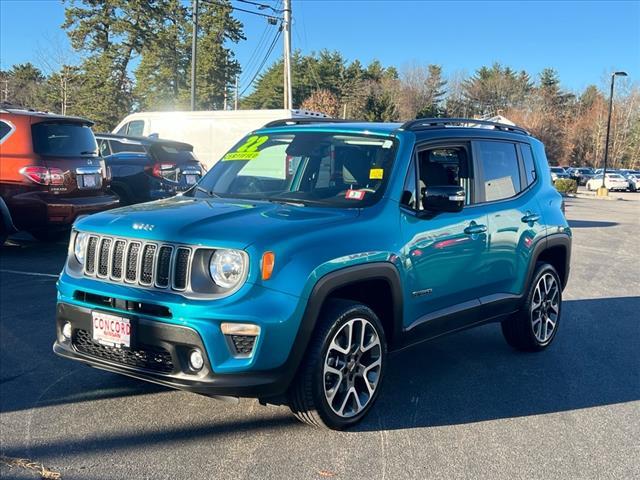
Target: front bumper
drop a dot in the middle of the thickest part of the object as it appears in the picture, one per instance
(172, 371)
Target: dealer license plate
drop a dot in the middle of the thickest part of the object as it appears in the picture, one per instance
(89, 181)
(111, 330)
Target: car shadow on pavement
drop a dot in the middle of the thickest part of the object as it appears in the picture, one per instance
(475, 376)
(590, 224)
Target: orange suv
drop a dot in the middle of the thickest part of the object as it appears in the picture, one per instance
(50, 173)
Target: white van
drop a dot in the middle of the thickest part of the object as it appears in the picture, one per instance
(211, 133)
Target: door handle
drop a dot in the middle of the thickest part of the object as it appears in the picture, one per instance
(530, 218)
(475, 229)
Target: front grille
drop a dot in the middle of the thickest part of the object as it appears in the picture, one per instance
(148, 254)
(243, 343)
(118, 257)
(103, 258)
(181, 268)
(132, 262)
(147, 264)
(90, 265)
(164, 266)
(143, 356)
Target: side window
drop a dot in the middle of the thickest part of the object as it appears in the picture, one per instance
(409, 191)
(123, 129)
(103, 146)
(136, 128)
(498, 163)
(444, 166)
(118, 147)
(5, 131)
(529, 165)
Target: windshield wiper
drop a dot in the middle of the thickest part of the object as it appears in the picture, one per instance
(88, 152)
(295, 202)
(209, 193)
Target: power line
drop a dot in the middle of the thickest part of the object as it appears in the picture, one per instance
(270, 17)
(261, 6)
(264, 60)
(258, 51)
(261, 47)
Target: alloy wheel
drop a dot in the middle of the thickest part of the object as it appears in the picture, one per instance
(545, 308)
(352, 367)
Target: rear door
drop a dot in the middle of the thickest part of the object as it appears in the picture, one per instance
(507, 187)
(70, 147)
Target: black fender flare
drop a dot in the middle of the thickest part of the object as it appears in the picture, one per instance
(7, 222)
(322, 290)
(551, 241)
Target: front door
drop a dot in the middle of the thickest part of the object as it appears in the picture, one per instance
(442, 255)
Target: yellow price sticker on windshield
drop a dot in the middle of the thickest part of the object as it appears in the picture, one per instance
(248, 150)
(241, 156)
(376, 173)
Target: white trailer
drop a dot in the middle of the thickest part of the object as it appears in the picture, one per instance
(211, 133)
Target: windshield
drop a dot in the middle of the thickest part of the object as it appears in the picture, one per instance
(316, 168)
(557, 170)
(61, 139)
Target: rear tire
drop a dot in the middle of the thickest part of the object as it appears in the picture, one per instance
(342, 372)
(535, 325)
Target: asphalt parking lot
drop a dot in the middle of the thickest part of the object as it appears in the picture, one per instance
(464, 406)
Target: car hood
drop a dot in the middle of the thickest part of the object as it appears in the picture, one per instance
(215, 222)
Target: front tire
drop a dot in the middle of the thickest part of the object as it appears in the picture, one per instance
(340, 377)
(535, 325)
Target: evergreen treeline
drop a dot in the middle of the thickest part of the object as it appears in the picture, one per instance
(155, 35)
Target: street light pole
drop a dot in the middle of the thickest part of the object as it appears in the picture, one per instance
(606, 143)
(194, 51)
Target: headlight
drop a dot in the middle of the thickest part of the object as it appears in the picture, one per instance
(80, 247)
(227, 268)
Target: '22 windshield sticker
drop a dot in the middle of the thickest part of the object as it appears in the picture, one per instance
(248, 150)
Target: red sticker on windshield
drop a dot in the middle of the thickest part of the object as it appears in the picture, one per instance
(354, 195)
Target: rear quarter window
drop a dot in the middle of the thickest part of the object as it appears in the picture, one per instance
(6, 129)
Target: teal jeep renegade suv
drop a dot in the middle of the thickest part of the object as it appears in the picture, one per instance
(311, 250)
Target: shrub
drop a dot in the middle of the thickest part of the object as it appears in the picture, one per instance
(566, 185)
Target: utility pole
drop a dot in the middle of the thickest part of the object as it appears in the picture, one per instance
(286, 26)
(194, 51)
(235, 95)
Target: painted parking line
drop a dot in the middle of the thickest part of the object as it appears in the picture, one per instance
(33, 274)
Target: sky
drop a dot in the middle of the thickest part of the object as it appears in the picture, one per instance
(583, 40)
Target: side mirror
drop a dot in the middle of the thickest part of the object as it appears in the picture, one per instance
(445, 198)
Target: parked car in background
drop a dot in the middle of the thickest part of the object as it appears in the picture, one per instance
(211, 133)
(312, 250)
(633, 178)
(558, 172)
(51, 173)
(581, 174)
(613, 181)
(145, 169)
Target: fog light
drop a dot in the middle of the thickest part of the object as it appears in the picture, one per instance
(66, 331)
(195, 359)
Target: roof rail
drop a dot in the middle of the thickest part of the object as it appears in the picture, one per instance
(304, 121)
(426, 123)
